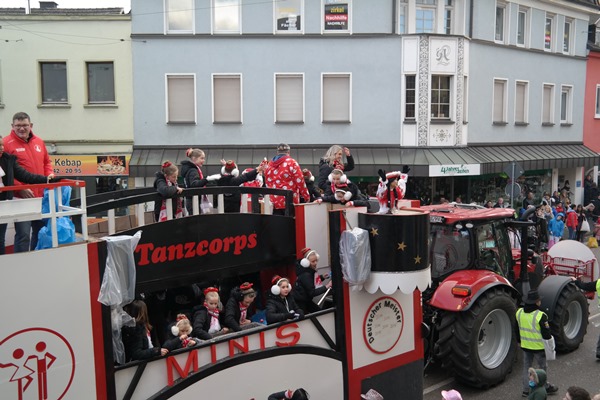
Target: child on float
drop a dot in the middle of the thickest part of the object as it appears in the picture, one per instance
(230, 176)
(392, 187)
(281, 306)
(238, 308)
(182, 334)
(342, 191)
(313, 190)
(165, 184)
(309, 284)
(137, 340)
(207, 321)
(192, 174)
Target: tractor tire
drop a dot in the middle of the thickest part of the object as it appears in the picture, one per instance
(479, 345)
(570, 319)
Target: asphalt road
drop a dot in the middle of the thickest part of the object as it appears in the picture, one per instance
(578, 368)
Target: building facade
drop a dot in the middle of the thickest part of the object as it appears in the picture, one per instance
(70, 70)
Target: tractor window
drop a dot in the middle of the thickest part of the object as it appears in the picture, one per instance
(449, 249)
(492, 244)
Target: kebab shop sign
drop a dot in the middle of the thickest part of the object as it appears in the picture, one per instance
(90, 165)
(383, 323)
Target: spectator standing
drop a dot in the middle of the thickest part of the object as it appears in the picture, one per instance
(572, 222)
(533, 328)
(283, 172)
(556, 228)
(580, 218)
(528, 200)
(577, 393)
(333, 159)
(10, 170)
(30, 151)
(192, 174)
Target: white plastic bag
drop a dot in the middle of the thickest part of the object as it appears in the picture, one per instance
(550, 349)
(355, 256)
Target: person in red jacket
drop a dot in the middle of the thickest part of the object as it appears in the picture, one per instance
(32, 155)
(283, 172)
(572, 222)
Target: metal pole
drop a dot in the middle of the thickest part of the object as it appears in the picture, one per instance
(512, 186)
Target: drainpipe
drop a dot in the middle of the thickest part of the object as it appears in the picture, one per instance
(394, 19)
(471, 6)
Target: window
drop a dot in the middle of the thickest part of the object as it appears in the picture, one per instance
(548, 105)
(181, 99)
(597, 101)
(522, 27)
(336, 98)
(440, 96)
(499, 113)
(402, 15)
(567, 37)
(336, 16)
(548, 32)
(566, 105)
(500, 22)
(521, 102)
(227, 99)
(288, 16)
(425, 16)
(410, 97)
(289, 98)
(179, 16)
(100, 82)
(226, 16)
(448, 17)
(54, 82)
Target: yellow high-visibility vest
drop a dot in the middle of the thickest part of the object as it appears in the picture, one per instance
(529, 329)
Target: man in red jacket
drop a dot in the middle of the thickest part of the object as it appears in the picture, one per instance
(283, 172)
(32, 155)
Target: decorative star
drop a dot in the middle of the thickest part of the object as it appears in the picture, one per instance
(401, 246)
(374, 232)
(418, 260)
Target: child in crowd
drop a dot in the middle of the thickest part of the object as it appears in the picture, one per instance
(309, 180)
(556, 228)
(342, 191)
(192, 175)
(230, 176)
(137, 340)
(165, 184)
(392, 187)
(280, 306)
(182, 332)
(309, 283)
(237, 310)
(537, 384)
(206, 317)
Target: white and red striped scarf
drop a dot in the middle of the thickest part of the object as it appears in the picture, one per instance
(215, 325)
(177, 213)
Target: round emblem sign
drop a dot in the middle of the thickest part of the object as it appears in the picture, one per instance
(383, 325)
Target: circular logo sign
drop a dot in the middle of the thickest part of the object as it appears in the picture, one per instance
(383, 325)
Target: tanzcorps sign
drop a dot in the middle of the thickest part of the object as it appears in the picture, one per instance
(454, 170)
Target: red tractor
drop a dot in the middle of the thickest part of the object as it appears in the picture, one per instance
(477, 286)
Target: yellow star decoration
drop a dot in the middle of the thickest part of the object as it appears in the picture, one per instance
(418, 260)
(374, 232)
(401, 246)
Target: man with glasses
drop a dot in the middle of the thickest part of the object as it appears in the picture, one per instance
(32, 155)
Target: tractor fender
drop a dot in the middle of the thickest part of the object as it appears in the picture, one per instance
(550, 289)
(478, 282)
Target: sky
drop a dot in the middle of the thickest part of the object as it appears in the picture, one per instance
(126, 4)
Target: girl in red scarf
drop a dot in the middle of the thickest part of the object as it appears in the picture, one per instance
(207, 321)
(165, 184)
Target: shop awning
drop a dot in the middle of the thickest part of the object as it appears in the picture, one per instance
(145, 161)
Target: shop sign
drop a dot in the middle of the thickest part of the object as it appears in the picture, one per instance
(336, 16)
(454, 170)
(90, 165)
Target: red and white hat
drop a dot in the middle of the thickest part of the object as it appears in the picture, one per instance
(230, 168)
(308, 175)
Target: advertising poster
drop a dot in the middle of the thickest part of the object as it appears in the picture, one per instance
(288, 14)
(90, 165)
(336, 16)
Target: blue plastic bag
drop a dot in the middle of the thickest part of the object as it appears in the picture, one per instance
(65, 230)
(66, 199)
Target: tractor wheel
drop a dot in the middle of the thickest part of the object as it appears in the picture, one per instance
(479, 345)
(570, 320)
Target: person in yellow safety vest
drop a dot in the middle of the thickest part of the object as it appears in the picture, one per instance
(533, 327)
(590, 287)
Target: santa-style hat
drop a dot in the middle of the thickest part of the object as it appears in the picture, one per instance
(181, 319)
(308, 175)
(230, 168)
(342, 194)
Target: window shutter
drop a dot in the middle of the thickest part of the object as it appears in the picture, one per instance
(227, 99)
(289, 99)
(181, 101)
(336, 98)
